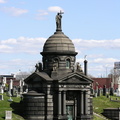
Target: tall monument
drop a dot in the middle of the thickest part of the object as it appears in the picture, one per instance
(57, 91)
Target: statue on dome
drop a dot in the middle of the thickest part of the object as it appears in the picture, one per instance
(58, 20)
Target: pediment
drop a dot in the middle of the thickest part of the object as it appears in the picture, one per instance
(75, 78)
(38, 77)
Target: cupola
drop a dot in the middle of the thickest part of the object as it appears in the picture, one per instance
(58, 51)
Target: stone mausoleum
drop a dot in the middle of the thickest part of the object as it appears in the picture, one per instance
(57, 89)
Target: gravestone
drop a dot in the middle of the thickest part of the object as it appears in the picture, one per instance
(111, 91)
(4, 81)
(8, 115)
(104, 90)
(1, 97)
(10, 86)
(13, 92)
(118, 91)
(1, 90)
(96, 90)
(99, 92)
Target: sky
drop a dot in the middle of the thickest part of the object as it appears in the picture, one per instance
(92, 25)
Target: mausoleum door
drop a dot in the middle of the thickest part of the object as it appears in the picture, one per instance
(71, 104)
(70, 112)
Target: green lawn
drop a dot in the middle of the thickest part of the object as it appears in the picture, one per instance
(11, 106)
(102, 102)
(99, 104)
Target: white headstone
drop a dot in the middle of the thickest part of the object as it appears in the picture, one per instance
(4, 81)
(20, 83)
(8, 115)
(2, 91)
(118, 92)
(1, 97)
(11, 84)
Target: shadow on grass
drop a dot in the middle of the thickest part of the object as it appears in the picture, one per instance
(18, 108)
(3, 118)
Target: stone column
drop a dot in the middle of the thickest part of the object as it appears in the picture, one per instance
(59, 103)
(82, 102)
(75, 108)
(78, 103)
(64, 102)
(86, 102)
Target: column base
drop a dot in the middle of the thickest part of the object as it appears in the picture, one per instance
(84, 117)
(60, 117)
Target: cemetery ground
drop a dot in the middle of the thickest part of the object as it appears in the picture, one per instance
(13, 106)
(99, 103)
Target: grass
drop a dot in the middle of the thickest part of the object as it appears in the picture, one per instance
(10, 106)
(102, 102)
(99, 104)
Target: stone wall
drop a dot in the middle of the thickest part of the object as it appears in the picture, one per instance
(112, 113)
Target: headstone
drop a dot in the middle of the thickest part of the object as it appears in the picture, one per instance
(104, 90)
(99, 92)
(111, 91)
(4, 81)
(21, 90)
(95, 94)
(1, 90)
(97, 84)
(20, 83)
(118, 91)
(10, 86)
(8, 115)
(1, 97)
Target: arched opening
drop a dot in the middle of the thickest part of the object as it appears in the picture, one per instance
(55, 64)
(67, 63)
(46, 64)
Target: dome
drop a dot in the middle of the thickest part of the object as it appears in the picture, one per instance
(58, 43)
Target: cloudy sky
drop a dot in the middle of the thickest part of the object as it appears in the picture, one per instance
(92, 25)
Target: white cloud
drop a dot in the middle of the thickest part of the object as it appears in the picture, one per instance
(5, 49)
(97, 43)
(3, 1)
(22, 44)
(97, 62)
(14, 11)
(55, 9)
(41, 14)
(9, 41)
(105, 60)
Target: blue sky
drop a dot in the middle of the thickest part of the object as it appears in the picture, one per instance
(92, 25)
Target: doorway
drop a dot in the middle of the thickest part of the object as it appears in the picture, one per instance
(70, 112)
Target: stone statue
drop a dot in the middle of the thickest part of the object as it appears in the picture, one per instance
(58, 20)
(55, 65)
(79, 69)
(38, 67)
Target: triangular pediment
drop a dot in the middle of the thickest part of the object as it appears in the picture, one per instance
(38, 77)
(76, 78)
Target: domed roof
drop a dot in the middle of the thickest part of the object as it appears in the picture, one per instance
(59, 43)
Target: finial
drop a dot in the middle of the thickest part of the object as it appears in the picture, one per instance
(85, 57)
(58, 21)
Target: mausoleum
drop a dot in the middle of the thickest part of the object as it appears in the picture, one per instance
(57, 89)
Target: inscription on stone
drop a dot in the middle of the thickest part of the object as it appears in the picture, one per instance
(8, 115)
